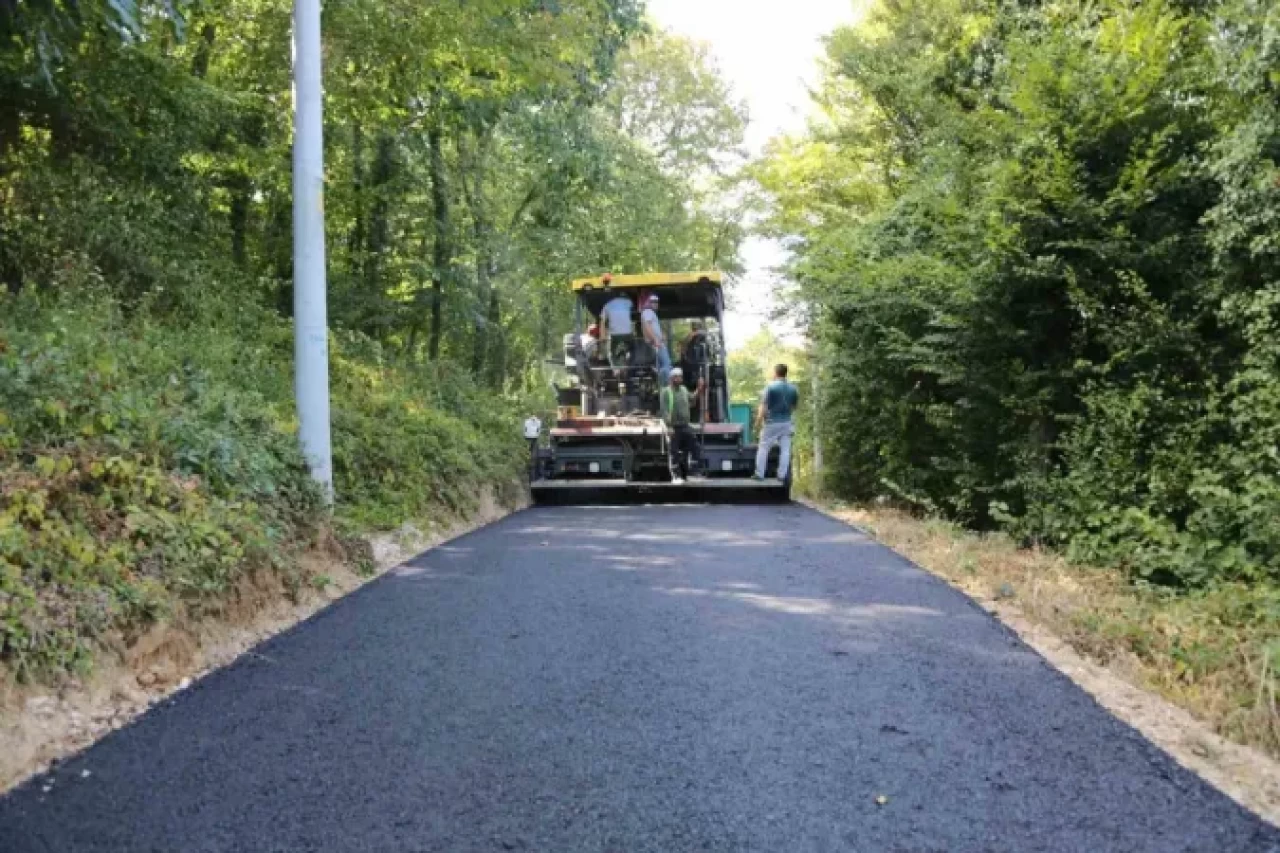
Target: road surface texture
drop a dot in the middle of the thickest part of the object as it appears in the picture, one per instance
(636, 679)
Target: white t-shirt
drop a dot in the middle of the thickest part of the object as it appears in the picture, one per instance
(617, 314)
(649, 320)
(532, 428)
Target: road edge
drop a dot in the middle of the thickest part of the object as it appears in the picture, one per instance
(52, 724)
(1188, 741)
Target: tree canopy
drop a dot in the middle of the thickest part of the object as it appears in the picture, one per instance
(475, 160)
(1038, 246)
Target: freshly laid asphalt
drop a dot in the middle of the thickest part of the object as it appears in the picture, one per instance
(636, 679)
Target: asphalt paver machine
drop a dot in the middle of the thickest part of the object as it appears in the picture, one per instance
(608, 439)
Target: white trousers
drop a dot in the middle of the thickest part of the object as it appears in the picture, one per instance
(779, 434)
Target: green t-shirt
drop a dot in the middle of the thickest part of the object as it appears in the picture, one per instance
(675, 406)
(780, 400)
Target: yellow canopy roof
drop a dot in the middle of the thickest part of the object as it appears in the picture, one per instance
(657, 279)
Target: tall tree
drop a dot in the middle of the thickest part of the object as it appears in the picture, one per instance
(1036, 243)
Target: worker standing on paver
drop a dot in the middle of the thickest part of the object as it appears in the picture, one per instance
(695, 357)
(616, 316)
(777, 404)
(675, 413)
(651, 327)
(591, 344)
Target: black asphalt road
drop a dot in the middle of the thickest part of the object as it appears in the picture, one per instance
(636, 679)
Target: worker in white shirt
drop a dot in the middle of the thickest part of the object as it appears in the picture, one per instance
(616, 317)
(652, 329)
(532, 432)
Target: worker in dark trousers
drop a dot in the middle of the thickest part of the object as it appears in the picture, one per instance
(694, 360)
(532, 431)
(675, 413)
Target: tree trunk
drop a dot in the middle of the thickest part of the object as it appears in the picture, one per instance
(10, 128)
(497, 348)
(62, 133)
(486, 299)
(545, 311)
(384, 168)
(482, 228)
(441, 251)
(278, 245)
(10, 271)
(204, 49)
(240, 187)
(356, 239)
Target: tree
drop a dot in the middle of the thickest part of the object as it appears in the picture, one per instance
(751, 365)
(1027, 259)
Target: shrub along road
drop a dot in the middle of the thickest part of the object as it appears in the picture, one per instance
(634, 679)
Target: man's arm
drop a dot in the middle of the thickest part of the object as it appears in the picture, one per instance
(762, 412)
(649, 334)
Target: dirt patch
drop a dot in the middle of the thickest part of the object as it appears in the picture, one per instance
(1032, 593)
(40, 725)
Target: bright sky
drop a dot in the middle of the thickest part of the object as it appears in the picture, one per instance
(768, 50)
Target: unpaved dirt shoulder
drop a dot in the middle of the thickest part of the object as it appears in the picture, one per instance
(1248, 776)
(40, 725)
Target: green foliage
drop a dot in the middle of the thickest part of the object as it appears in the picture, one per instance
(474, 163)
(132, 480)
(750, 366)
(407, 446)
(1039, 247)
(474, 156)
(147, 465)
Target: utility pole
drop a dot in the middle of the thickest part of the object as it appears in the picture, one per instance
(310, 319)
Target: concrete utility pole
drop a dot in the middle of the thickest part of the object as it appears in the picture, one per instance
(310, 319)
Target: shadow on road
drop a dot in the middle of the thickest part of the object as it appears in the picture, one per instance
(636, 679)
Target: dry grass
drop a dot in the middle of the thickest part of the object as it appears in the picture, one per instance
(1213, 653)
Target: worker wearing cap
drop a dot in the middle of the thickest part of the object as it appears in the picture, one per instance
(675, 413)
(652, 329)
(591, 343)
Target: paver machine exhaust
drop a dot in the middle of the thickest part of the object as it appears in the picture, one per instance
(609, 441)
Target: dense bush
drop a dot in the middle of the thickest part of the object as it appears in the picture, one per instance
(1040, 244)
(149, 465)
(409, 443)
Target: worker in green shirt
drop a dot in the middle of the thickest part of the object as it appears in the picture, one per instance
(675, 413)
(777, 403)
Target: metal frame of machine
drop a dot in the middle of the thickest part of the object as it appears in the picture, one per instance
(608, 436)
